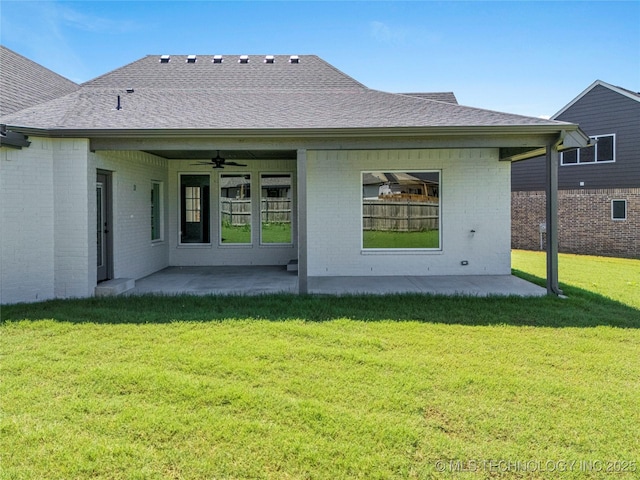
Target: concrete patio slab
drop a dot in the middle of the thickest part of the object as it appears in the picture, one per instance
(258, 280)
(218, 281)
(477, 286)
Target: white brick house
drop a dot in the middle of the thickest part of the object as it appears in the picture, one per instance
(117, 180)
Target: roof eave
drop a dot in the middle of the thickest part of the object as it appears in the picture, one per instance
(551, 128)
(567, 140)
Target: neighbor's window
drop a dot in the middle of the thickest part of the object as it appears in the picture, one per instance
(156, 211)
(275, 208)
(235, 209)
(603, 151)
(618, 209)
(194, 209)
(401, 210)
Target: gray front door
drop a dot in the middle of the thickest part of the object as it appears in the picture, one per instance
(104, 237)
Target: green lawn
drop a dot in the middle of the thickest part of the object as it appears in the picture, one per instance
(384, 239)
(616, 278)
(293, 387)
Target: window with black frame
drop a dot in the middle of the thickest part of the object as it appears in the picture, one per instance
(194, 209)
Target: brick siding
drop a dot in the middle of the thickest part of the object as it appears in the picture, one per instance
(474, 212)
(584, 218)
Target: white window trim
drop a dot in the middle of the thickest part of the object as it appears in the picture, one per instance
(595, 153)
(625, 210)
(403, 251)
(160, 212)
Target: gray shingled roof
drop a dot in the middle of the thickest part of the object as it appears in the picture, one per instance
(257, 95)
(24, 83)
(447, 97)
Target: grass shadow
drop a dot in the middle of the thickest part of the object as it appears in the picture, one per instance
(580, 309)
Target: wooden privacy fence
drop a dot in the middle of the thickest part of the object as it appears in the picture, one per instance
(238, 211)
(396, 216)
(275, 210)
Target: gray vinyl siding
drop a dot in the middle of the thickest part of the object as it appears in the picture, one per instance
(599, 112)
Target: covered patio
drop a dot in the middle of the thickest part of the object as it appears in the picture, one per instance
(259, 280)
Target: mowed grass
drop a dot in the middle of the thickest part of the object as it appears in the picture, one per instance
(615, 278)
(384, 239)
(313, 387)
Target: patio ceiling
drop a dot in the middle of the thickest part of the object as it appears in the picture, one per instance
(226, 154)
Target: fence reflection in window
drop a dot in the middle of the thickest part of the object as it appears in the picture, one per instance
(275, 208)
(235, 208)
(401, 210)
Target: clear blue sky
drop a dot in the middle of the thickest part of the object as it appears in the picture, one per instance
(523, 57)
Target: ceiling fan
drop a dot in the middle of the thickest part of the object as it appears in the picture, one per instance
(219, 162)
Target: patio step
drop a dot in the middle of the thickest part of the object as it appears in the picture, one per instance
(114, 287)
(292, 266)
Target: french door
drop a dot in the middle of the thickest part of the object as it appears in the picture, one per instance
(104, 236)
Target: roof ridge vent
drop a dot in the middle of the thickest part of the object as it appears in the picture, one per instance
(269, 59)
(191, 59)
(217, 59)
(244, 59)
(165, 58)
(294, 59)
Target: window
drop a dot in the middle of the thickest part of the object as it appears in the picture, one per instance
(603, 151)
(401, 210)
(156, 211)
(618, 209)
(235, 209)
(194, 209)
(275, 208)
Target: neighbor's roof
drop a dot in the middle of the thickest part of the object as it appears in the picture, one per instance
(599, 83)
(24, 83)
(205, 95)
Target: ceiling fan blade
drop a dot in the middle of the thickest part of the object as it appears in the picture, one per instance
(235, 164)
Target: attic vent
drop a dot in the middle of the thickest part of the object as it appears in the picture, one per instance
(191, 59)
(165, 58)
(217, 59)
(244, 59)
(294, 59)
(269, 59)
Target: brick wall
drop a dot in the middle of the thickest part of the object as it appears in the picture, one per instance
(475, 197)
(71, 228)
(585, 224)
(27, 223)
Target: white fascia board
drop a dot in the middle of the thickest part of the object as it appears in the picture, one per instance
(555, 127)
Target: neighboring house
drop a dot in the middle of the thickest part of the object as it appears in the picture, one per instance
(599, 186)
(400, 185)
(122, 177)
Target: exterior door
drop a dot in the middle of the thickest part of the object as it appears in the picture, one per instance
(104, 237)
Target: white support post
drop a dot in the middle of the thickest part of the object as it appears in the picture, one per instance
(303, 287)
